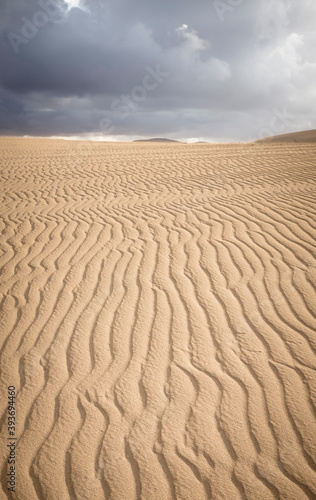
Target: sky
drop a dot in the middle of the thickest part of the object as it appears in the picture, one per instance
(209, 70)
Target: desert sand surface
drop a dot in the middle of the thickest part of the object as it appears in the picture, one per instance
(304, 136)
(158, 320)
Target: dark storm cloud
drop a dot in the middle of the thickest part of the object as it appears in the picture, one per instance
(228, 69)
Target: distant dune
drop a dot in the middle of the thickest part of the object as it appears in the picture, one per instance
(156, 139)
(305, 136)
(157, 321)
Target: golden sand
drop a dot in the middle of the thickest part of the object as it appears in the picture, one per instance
(158, 320)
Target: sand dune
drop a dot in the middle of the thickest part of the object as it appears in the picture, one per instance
(158, 320)
(304, 136)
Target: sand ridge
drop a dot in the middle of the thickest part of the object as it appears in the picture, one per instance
(158, 320)
(305, 136)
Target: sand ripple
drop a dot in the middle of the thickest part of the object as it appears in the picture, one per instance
(158, 320)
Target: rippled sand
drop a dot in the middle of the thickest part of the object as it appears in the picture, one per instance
(158, 320)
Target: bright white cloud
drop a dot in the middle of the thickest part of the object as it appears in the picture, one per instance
(191, 39)
(79, 4)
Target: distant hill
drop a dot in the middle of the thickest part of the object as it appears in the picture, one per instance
(305, 136)
(156, 140)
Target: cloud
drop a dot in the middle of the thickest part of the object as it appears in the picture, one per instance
(79, 4)
(79, 67)
(192, 41)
